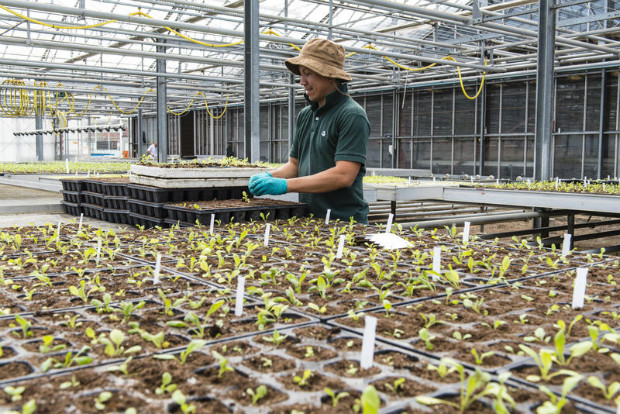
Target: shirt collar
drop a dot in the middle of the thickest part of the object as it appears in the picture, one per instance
(332, 99)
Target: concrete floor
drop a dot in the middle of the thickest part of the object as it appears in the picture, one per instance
(20, 206)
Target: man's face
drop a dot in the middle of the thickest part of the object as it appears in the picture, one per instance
(316, 86)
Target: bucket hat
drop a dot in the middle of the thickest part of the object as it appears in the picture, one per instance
(321, 56)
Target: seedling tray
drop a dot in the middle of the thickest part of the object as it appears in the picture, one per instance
(119, 216)
(144, 208)
(73, 184)
(71, 196)
(71, 208)
(92, 210)
(148, 222)
(189, 214)
(89, 197)
(173, 195)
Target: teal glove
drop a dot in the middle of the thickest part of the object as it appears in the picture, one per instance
(268, 185)
(256, 177)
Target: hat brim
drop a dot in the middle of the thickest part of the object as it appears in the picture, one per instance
(321, 68)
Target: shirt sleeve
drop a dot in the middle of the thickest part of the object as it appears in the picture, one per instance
(353, 134)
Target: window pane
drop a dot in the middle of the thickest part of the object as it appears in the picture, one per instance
(442, 114)
(386, 159)
(422, 114)
(511, 165)
(464, 115)
(422, 154)
(570, 97)
(374, 153)
(388, 115)
(612, 102)
(405, 118)
(404, 153)
(464, 155)
(591, 157)
(513, 108)
(490, 156)
(373, 110)
(567, 156)
(609, 149)
(493, 93)
(529, 171)
(442, 155)
(593, 110)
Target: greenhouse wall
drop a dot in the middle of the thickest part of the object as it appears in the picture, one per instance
(439, 128)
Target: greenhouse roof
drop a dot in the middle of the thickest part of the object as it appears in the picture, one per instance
(102, 49)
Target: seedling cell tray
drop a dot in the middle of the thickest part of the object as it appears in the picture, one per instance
(71, 208)
(69, 184)
(144, 208)
(71, 196)
(174, 195)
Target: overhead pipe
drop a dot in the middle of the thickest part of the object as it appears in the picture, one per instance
(212, 30)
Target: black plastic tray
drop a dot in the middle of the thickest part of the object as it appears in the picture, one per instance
(170, 195)
(73, 184)
(71, 208)
(145, 221)
(115, 203)
(190, 215)
(88, 197)
(93, 211)
(144, 208)
(116, 216)
(71, 196)
(114, 189)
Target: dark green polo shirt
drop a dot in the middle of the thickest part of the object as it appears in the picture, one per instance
(337, 131)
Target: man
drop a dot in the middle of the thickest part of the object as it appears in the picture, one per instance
(152, 150)
(328, 154)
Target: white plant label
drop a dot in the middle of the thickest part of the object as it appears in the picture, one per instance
(579, 292)
(212, 224)
(67, 165)
(239, 298)
(433, 178)
(340, 247)
(81, 218)
(98, 250)
(329, 212)
(566, 244)
(87, 173)
(466, 232)
(58, 230)
(388, 227)
(436, 259)
(557, 182)
(157, 269)
(368, 342)
(267, 228)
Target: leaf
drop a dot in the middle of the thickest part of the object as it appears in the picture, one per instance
(570, 383)
(117, 336)
(195, 345)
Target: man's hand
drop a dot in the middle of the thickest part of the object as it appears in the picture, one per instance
(256, 177)
(268, 185)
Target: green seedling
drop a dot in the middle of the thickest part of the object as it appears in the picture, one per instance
(309, 352)
(128, 308)
(318, 309)
(158, 339)
(80, 358)
(113, 344)
(577, 350)
(81, 291)
(430, 320)
(443, 370)
(28, 408)
(15, 392)
(46, 346)
(122, 367)
(193, 322)
(480, 358)
(426, 337)
(369, 401)
(168, 304)
(223, 362)
(179, 398)
(544, 361)
(166, 384)
(608, 392)
(476, 386)
(275, 338)
(71, 321)
(102, 399)
(260, 392)
(303, 380)
(555, 403)
(397, 385)
(335, 397)
(25, 325)
(460, 337)
(192, 347)
(72, 383)
(539, 336)
(103, 306)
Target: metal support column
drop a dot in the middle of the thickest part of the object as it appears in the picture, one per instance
(544, 91)
(291, 114)
(162, 116)
(140, 135)
(251, 106)
(483, 127)
(602, 127)
(38, 119)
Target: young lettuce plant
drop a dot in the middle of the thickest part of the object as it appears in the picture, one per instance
(260, 392)
(192, 347)
(555, 403)
(335, 397)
